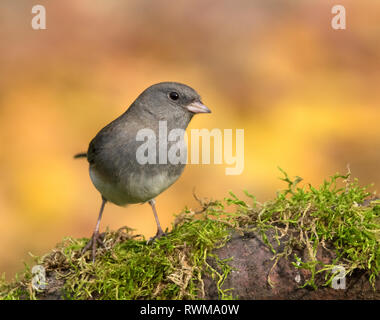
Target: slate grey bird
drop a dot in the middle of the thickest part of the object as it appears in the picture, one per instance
(115, 169)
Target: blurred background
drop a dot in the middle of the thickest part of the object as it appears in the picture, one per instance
(306, 95)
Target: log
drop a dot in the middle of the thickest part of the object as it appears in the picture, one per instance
(253, 262)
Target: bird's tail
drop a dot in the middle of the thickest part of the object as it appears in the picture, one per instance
(80, 155)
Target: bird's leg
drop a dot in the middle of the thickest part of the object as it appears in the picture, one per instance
(159, 233)
(95, 236)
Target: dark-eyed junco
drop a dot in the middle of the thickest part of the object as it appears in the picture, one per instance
(116, 170)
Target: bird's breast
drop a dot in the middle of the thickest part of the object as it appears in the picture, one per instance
(136, 186)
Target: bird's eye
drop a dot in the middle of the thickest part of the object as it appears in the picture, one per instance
(174, 95)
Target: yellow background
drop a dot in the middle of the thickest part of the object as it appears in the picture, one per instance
(306, 95)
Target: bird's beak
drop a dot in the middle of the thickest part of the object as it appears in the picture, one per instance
(197, 107)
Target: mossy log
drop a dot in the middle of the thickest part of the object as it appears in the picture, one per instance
(256, 275)
(286, 248)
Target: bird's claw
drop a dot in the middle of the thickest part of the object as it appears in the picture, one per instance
(95, 239)
(158, 235)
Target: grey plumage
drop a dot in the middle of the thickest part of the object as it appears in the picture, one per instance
(114, 169)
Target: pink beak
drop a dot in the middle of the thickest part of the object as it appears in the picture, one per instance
(198, 107)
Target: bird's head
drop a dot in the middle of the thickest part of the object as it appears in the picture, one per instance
(168, 100)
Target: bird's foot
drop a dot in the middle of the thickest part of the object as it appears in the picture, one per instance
(95, 239)
(158, 235)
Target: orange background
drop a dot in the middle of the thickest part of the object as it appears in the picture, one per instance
(306, 95)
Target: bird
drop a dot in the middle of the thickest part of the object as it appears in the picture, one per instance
(113, 154)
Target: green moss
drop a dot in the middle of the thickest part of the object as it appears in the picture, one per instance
(338, 216)
(129, 268)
